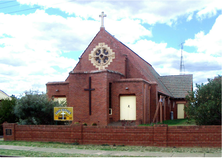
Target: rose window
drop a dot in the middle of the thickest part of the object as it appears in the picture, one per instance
(101, 56)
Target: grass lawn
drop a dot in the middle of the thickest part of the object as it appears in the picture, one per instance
(178, 122)
(43, 154)
(110, 147)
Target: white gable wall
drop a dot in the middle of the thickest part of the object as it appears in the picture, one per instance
(3, 95)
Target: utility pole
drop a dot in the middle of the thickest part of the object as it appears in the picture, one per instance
(182, 67)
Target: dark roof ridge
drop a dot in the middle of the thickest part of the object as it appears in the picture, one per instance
(4, 92)
(177, 75)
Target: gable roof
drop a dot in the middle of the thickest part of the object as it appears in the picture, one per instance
(178, 85)
(142, 69)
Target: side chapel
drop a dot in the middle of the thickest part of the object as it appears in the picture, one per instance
(111, 83)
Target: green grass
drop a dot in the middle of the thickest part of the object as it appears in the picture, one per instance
(178, 122)
(112, 148)
(43, 154)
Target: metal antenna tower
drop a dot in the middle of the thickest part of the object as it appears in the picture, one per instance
(182, 67)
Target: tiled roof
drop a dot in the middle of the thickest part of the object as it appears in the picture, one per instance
(178, 85)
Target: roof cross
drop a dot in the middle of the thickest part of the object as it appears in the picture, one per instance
(102, 19)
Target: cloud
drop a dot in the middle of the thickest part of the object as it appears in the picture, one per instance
(31, 47)
(124, 26)
(166, 60)
(209, 10)
(149, 12)
(206, 62)
(210, 43)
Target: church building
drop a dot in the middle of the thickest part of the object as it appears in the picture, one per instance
(111, 83)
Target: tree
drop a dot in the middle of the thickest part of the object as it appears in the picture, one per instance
(204, 104)
(6, 111)
(35, 108)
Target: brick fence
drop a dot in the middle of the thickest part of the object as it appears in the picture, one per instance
(159, 135)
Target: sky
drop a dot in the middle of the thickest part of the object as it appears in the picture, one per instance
(41, 40)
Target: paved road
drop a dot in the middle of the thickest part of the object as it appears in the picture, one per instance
(110, 153)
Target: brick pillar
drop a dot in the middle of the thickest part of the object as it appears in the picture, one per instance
(77, 133)
(160, 135)
(9, 131)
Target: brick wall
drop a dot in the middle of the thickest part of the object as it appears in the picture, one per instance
(58, 89)
(159, 135)
(136, 88)
(202, 136)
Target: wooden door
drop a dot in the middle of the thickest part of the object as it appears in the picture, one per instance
(180, 111)
(127, 107)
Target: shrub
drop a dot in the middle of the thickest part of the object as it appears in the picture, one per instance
(35, 108)
(7, 112)
(94, 124)
(204, 104)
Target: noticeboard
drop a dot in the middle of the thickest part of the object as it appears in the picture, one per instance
(63, 113)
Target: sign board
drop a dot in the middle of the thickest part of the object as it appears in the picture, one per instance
(8, 132)
(63, 113)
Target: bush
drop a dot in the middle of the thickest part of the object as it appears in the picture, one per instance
(94, 124)
(35, 108)
(204, 104)
(6, 112)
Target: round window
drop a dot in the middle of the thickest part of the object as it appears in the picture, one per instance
(101, 56)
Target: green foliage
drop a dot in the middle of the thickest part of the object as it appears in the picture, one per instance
(6, 110)
(94, 124)
(204, 104)
(35, 108)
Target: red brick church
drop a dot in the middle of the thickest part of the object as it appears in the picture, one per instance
(111, 83)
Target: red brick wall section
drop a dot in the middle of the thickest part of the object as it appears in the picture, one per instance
(58, 89)
(79, 98)
(201, 136)
(135, 87)
(9, 126)
(159, 135)
(118, 135)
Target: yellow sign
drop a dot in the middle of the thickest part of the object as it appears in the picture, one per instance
(63, 113)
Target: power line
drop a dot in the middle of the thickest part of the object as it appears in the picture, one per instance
(34, 7)
(10, 6)
(23, 10)
(7, 2)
